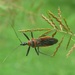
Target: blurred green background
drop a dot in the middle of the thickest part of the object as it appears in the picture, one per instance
(26, 14)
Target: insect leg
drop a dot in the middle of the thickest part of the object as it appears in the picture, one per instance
(26, 36)
(42, 52)
(32, 35)
(28, 51)
(36, 51)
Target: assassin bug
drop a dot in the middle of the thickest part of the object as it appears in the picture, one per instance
(39, 42)
(42, 41)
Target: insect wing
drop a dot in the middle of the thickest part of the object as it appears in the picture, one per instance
(46, 41)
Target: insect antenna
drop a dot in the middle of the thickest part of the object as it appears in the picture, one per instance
(14, 48)
(10, 54)
(16, 34)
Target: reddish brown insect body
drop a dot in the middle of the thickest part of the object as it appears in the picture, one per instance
(39, 42)
(42, 41)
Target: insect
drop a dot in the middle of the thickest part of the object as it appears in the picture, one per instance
(38, 42)
(42, 41)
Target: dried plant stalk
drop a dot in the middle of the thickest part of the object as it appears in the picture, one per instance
(38, 29)
(46, 19)
(67, 26)
(70, 51)
(58, 20)
(59, 16)
(59, 13)
(52, 21)
(59, 44)
(54, 34)
(63, 28)
(44, 34)
(68, 42)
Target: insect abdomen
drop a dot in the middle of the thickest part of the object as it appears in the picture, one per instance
(46, 41)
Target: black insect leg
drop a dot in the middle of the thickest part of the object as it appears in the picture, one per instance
(32, 35)
(36, 51)
(26, 36)
(28, 51)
